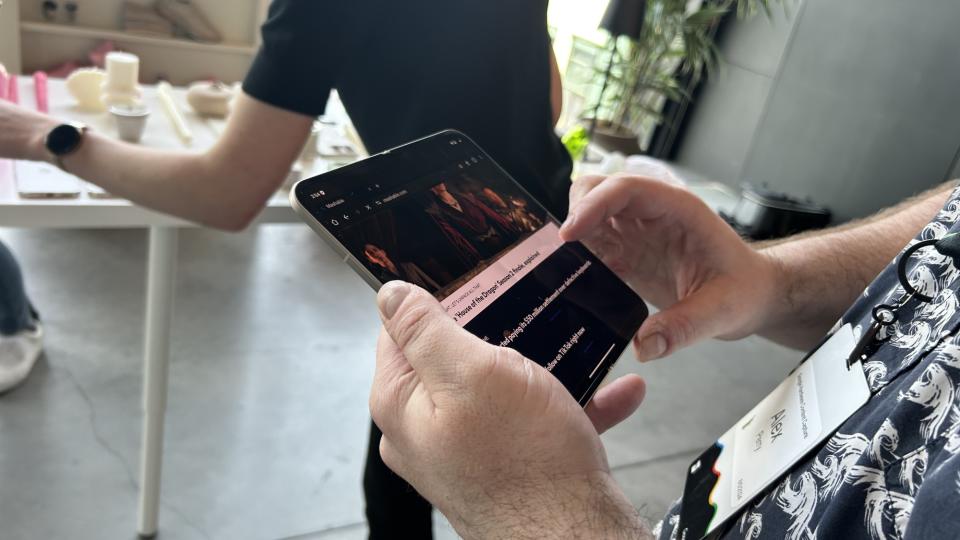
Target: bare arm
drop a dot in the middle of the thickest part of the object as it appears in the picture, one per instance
(556, 88)
(225, 187)
(822, 273)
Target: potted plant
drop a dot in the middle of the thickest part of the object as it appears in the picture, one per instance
(658, 50)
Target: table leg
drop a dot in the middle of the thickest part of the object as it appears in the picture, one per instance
(161, 276)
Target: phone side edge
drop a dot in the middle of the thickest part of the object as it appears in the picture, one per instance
(340, 249)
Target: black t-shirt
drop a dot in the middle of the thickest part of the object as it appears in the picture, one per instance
(406, 69)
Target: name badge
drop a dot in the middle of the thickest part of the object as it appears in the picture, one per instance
(800, 414)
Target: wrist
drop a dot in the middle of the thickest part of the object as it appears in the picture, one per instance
(590, 506)
(786, 318)
(771, 282)
(36, 147)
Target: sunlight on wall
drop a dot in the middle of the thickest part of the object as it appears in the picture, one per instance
(579, 17)
(575, 17)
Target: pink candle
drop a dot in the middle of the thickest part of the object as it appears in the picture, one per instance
(3, 84)
(13, 91)
(40, 90)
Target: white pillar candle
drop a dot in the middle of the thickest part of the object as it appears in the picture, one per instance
(121, 86)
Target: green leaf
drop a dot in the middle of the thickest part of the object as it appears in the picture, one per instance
(673, 42)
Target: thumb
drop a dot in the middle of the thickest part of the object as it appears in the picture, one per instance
(615, 402)
(695, 318)
(434, 345)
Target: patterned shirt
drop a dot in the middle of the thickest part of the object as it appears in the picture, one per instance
(893, 469)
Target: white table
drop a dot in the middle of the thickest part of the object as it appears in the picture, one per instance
(85, 212)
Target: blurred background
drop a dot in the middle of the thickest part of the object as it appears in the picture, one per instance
(850, 104)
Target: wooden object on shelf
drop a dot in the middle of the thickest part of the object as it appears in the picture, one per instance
(189, 19)
(42, 45)
(143, 19)
(120, 36)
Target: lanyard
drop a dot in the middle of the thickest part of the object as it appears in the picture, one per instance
(886, 315)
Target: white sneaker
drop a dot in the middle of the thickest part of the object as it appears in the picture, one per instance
(18, 354)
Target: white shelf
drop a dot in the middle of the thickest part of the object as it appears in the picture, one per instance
(126, 37)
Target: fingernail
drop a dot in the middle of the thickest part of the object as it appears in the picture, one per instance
(652, 347)
(391, 296)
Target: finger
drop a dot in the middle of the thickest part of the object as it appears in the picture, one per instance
(605, 243)
(393, 382)
(436, 348)
(702, 315)
(626, 196)
(391, 456)
(391, 364)
(582, 186)
(615, 402)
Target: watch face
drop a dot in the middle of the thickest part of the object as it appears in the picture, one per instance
(64, 139)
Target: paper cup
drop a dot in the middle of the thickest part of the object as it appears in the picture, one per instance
(131, 121)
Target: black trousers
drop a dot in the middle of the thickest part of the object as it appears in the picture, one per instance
(394, 508)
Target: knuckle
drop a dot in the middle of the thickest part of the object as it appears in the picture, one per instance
(583, 185)
(502, 360)
(506, 358)
(621, 181)
(679, 331)
(379, 407)
(588, 182)
(411, 324)
(388, 454)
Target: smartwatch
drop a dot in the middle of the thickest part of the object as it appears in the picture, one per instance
(64, 140)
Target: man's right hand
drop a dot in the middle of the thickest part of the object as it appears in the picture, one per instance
(490, 437)
(677, 254)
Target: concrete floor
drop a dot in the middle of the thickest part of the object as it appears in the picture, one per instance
(267, 424)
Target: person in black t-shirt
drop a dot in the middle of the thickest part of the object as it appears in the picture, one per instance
(403, 70)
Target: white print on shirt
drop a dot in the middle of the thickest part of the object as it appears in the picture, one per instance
(844, 451)
(912, 340)
(880, 501)
(799, 503)
(876, 372)
(912, 469)
(934, 390)
(885, 443)
(753, 522)
(933, 230)
(950, 213)
(953, 433)
(941, 310)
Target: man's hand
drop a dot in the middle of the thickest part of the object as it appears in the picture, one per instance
(22, 132)
(490, 437)
(674, 251)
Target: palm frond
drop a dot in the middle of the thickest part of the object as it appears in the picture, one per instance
(675, 42)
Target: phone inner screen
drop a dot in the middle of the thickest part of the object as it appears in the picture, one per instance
(442, 215)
